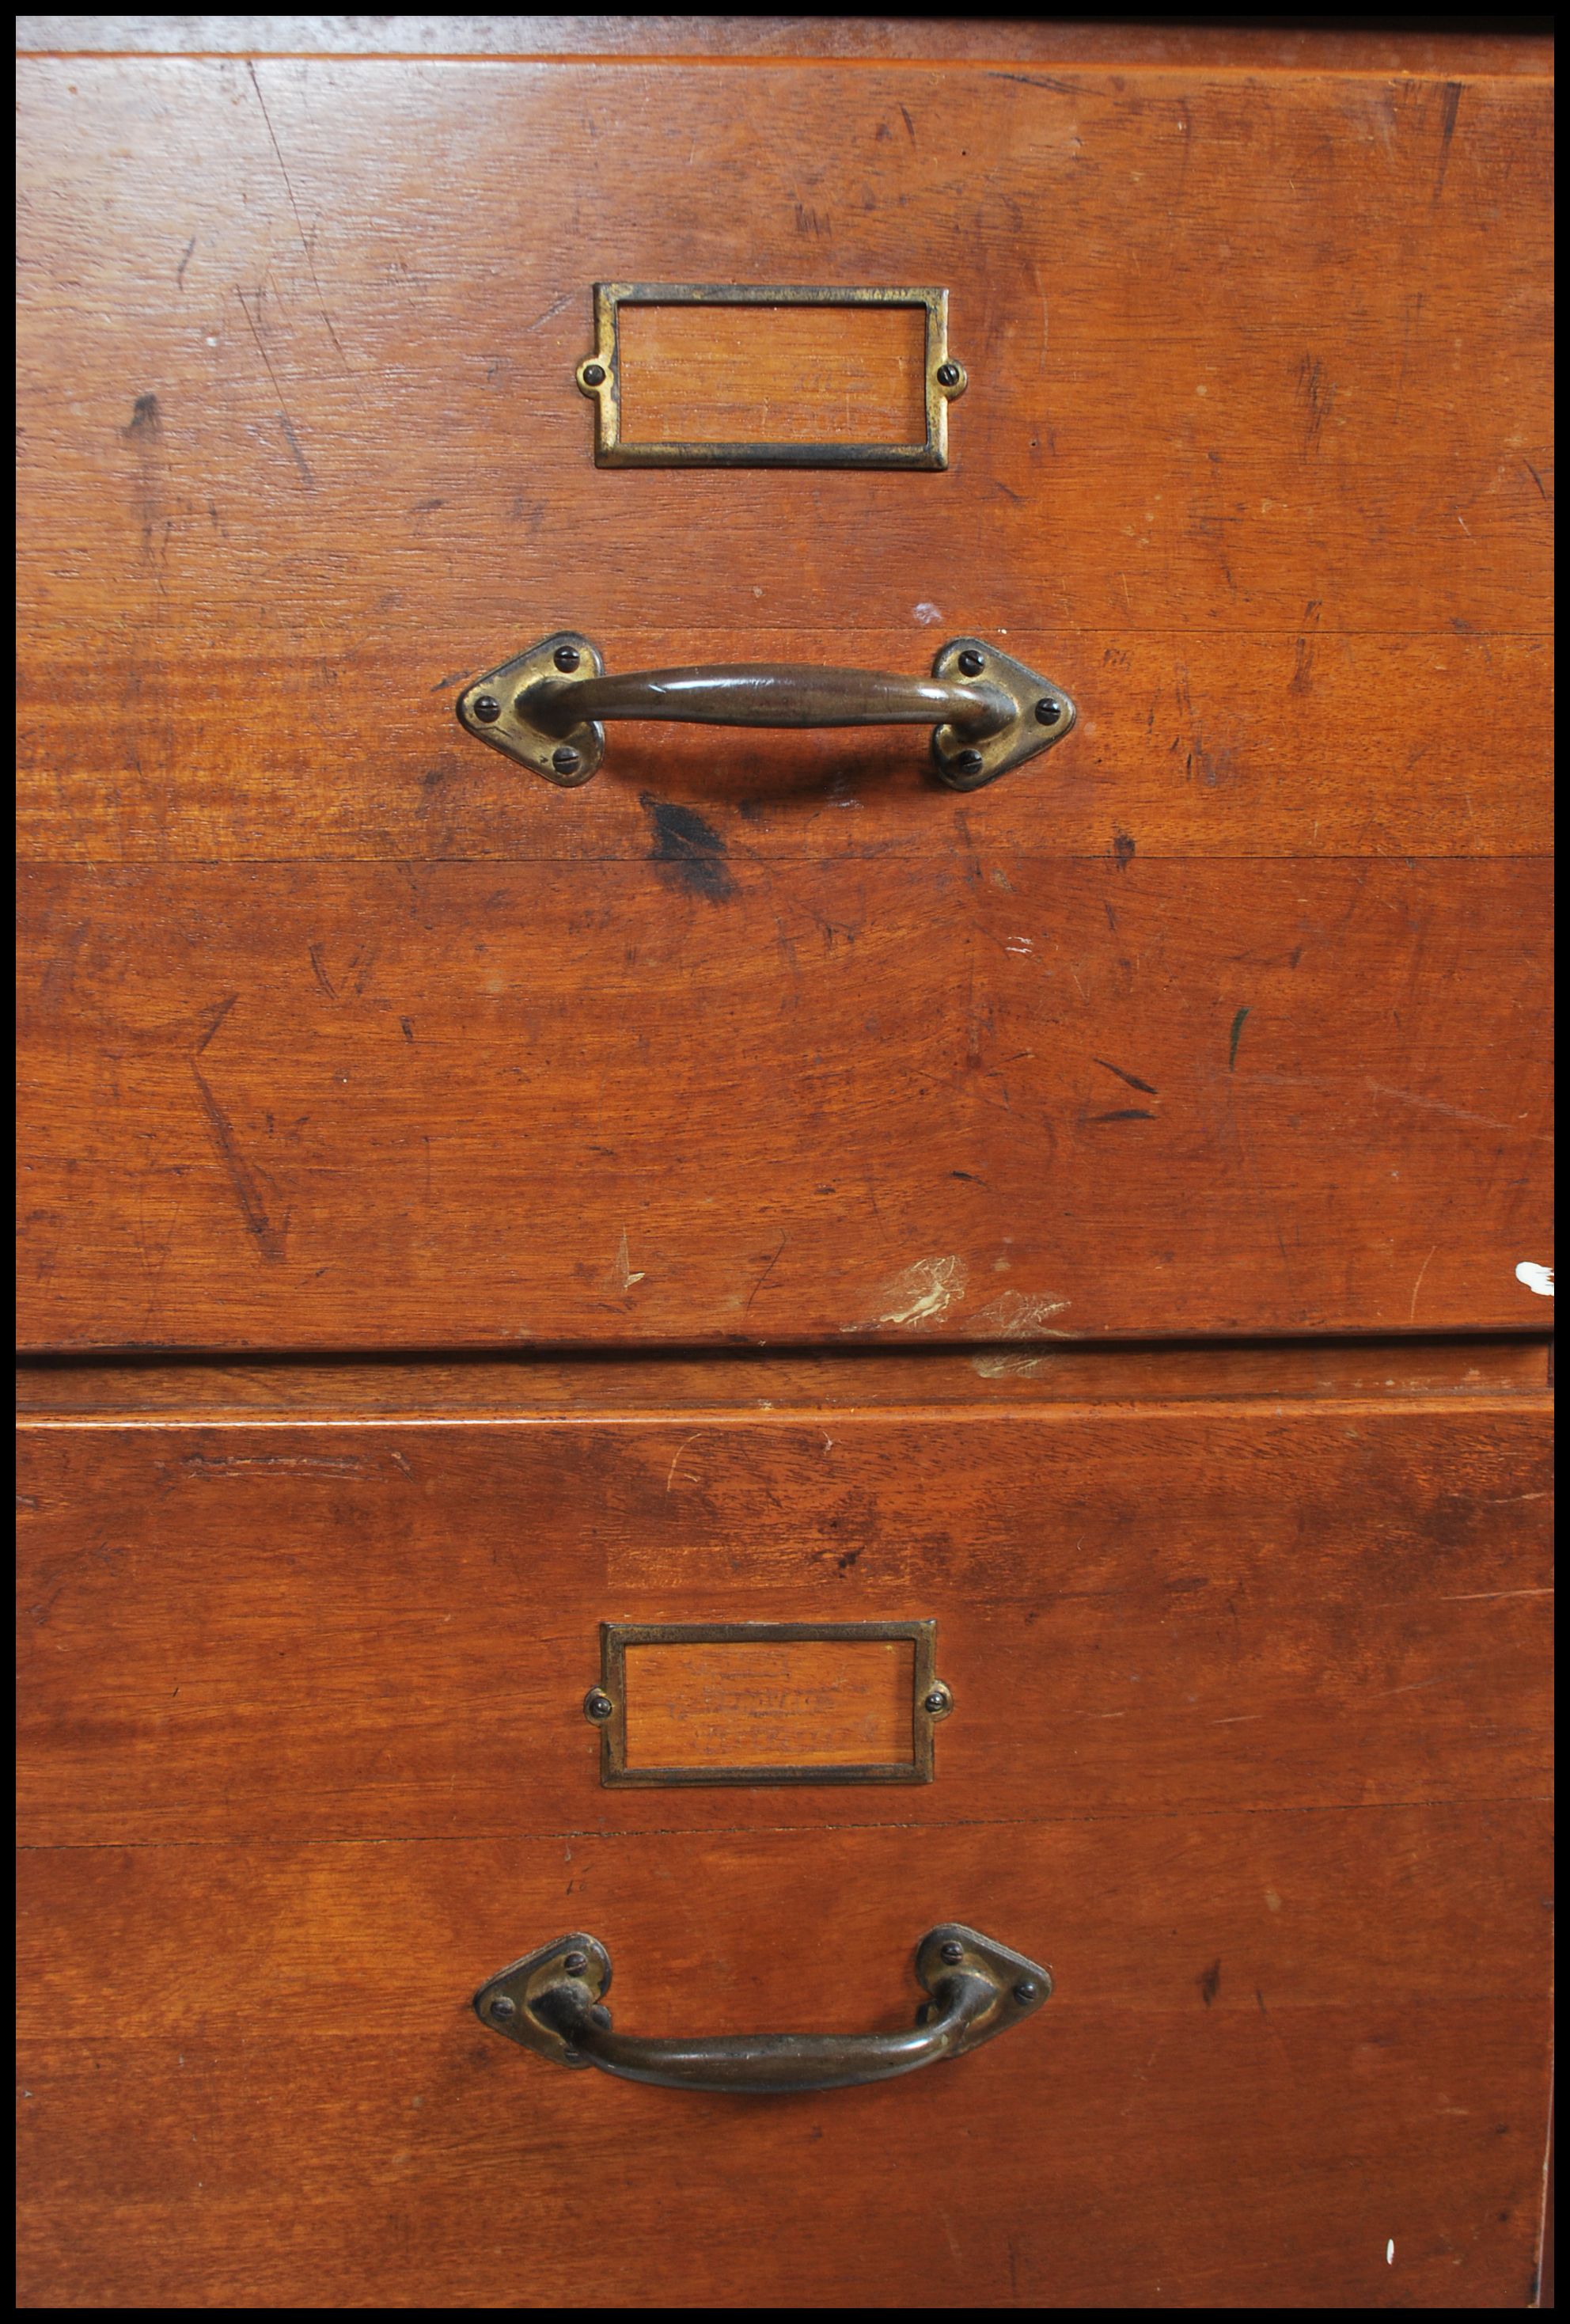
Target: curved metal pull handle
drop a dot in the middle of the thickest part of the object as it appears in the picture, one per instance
(552, 2001)
(546, 708)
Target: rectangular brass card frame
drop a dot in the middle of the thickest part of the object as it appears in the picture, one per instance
(598, 377)
(606, 1704)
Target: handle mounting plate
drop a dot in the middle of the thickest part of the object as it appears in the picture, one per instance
(495, 709)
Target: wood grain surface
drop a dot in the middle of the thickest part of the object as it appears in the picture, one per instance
(341, 1033)
(1510, 45)
(807, 1702)
(283, 1631)
(1249, 1746)
(449, 1104)
(1278, 2045)
(658, 1384)
(772, 374)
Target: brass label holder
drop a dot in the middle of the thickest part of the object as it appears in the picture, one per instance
(598, 377)
(605, 1706)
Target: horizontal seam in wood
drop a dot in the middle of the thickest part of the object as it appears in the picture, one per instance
(1426, 1402)
(1116, 1814)
(1004, 68)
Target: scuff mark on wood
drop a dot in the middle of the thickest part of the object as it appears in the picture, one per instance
(1133, 1080)
(269, 1239)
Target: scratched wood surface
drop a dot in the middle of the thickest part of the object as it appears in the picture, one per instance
(1511, 45)
(451, 1104)
(288, 1630)
(1279, 2043)
(341, 1033)
(1249, 1746)
(656, 1383)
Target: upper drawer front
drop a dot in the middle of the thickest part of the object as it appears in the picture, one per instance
(1223, 1016)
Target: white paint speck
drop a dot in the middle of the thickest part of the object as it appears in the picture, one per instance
(926, 614)
(1016, 1315)
(1535, 1278)
(1389, 2252)
(919, 1295)
(622, 1275)
(1018, 945)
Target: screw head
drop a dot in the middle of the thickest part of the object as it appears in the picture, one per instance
(1026, 1990)
(598, 1705)
(574, 1962)
(972, 663)
(503, 2006)
(593, 374)
(565, 760)
(486, 709)
(1048, 712)
(953, 1951)
(948, 374)
(567, 657)
(967, 762)
(937, 1702)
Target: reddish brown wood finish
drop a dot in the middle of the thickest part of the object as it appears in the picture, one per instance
(772, 374)
(323, 459)
(1248, 1745)
(289, 1631)
(742, 1703)
(263, 2065)
(1409, 48)
(463, 1105)
(862, 1378)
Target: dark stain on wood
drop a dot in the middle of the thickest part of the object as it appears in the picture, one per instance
(689, 852)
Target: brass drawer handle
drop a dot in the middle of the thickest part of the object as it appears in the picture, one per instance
(552, 2001)
(546, 708)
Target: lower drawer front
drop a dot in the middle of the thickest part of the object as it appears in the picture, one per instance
(1248, 1748)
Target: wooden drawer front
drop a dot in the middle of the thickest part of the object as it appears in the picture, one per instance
(1225, 1017)
(1249, 1746)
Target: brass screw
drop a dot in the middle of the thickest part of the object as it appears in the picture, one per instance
(1048, 711)
(971, 662)
(593, 374)
(967, 762)
(487, 709)
(953, 1951)
(1025, 1990)
(565, 760)
(574, 1962)
(597, 1704)
(567, 657)
(502, 2006)
(938, 1702)
(948, 374)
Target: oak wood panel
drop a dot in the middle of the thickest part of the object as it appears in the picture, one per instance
(1278, 2045)
(1508, 45)
(659, 1382)
(779, 374)
(302, 447)
(699, 1098)
(284, 1630)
